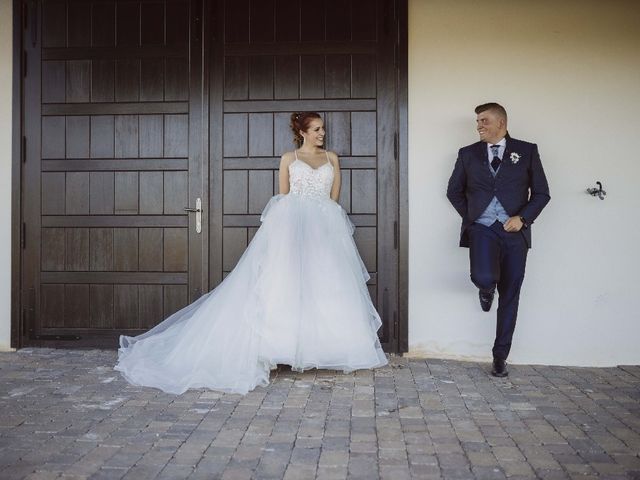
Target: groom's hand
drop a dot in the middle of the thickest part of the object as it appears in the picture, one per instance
(514, 224)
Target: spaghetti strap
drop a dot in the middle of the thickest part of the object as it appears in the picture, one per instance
(295, 152)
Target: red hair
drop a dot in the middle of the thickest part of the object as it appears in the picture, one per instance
(301, 121)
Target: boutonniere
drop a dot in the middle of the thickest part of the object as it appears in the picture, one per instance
(515, 157)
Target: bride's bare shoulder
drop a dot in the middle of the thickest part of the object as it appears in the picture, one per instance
(333, 157)
(287, 159)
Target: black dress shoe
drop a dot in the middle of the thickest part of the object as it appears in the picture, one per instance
(499, 368)
(486, 299)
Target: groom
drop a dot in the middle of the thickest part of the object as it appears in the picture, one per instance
(499, 188)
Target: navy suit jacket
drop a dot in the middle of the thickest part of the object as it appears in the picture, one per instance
(521, 187)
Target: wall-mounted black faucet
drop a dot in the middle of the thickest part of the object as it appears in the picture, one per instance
(597, 192)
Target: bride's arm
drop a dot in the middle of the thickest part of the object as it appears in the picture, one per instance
(283, 175)
(335, 188)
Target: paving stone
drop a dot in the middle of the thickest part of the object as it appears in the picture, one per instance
(513, 468)
(67, 414)
(210, 467)
(487, 473)
(553, 474)
(333, 459)
(237, 473)
(331, 473)
(457, 473)
(508, 454)
(300, 472)
(42, 476)
(395, 472)
(305, 456)
(143, 472)
(174, 471)
(482, 459)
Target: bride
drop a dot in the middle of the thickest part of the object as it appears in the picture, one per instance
(297, 296)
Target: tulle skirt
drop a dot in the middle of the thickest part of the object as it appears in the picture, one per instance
(297, 296)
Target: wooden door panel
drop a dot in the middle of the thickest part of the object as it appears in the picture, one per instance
(53, 249)
(116, 148)
(175, 297)
(286, 76)
(311, 76)
(152, 23)
(151, 135)
(175, 192)
(78, 81)
(333, 57)
(260, 189)
(52, 306)
(363, 191)
(77, 242)
(101, 306)
(151, 192)
(101, 249)
(260, 134)
(236, 78)
(235, 241)
(236, 131)
(287, 22)
(260, 77)
(53, 193)
(102, 136)
(114, 142)
(125, 306)
(282, 136)
(76, 305)
(338, 128)
(176, 79)
(54, 89)
(102, 81)
(54, 24)
(79, 20)
(126, 136)
(53, 137)
(77, 136)
(151, 254)
(363, 76)
(312, 21)
(103, 20)
(261, 31)
(150, 304)
(337, 73)
(126, 193)
(152, 79)
(125, 249)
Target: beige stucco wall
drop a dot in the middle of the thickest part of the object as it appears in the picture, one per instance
(569, 75)
(6, 46)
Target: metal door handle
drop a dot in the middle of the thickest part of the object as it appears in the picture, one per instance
(198, 212)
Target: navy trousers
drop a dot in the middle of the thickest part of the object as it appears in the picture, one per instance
(498, 259)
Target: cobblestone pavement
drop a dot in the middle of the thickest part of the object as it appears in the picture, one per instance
(66, 413)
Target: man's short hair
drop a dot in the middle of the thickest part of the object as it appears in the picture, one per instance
(494, 107)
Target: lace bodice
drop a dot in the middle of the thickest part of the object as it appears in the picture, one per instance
(309, 181)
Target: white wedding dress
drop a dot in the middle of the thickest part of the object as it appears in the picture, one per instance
(297, 296)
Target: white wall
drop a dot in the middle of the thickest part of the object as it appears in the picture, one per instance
(569, 75)
(6, 46)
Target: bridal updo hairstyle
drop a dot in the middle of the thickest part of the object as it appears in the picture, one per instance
(301, 121)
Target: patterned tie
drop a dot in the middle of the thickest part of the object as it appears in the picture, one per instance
(495, 163)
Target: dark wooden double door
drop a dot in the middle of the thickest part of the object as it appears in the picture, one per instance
(136, 110)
